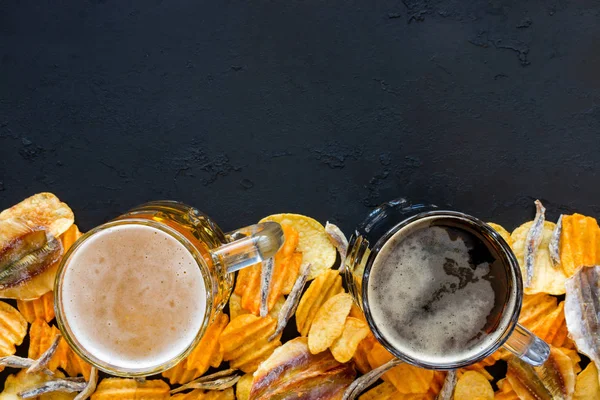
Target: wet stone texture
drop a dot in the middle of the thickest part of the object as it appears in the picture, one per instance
(324, 108)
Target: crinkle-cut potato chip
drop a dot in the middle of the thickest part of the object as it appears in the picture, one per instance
(546, 278)
(587, 386)
(541, 314)
(207, 353)
(362, 350)
(13, 328)
(248, 282)
(243, 386)
(344, 347)
(22, 381)
(42, 210)
(293, 372)
(44, 282)
(235, 306)
(198, 394)
(328, 324)
(405, 377)
(131, 389)
(579, 243)
(473, 386)
(244, 341)
(325, 286)
(502, 232)
(41, 336)
(42, 307)
(314, 242)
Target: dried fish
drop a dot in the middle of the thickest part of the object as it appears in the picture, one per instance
(265, 285)
(20, 362)
(447, 390)
(42, 362)
(90, 387)
(554, 245)
(363, 382)
(338, 239)
(57, 385)
(218, 381)
(291, 302)
(523, 378)
(582, 311)
(534, 238)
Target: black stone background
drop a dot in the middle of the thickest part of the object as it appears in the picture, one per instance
(326, 108)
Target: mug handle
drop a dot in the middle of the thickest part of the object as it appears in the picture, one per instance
(250, 245)
(528, 347)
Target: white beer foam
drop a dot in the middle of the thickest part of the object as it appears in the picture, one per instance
(134, 297)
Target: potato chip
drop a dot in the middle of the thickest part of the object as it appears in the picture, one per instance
(344, 347)
(292, 268)
(505, 391)
(473, 386)
(131, 389)
(42, 210)
(13, 328)
(546, 278)
(243, 386)
(42, 307)
(502, 232)
(587, 386)
(23, 381)
(578, 243)
(477, 368)
(405, 377)
(313, 243)
(328, 324)
(235, 306)
(362, 350)
(245, 341)
(541, 314)
(44, 282)
(326, 285)
(384, 391)
(207, 353)
(198, 394)
(248, 284)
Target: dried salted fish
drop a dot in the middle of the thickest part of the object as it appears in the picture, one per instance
(582, 311)
(218, 381)
(338, 239)
(20, 362)
(57, 385)
(291, 302)
(42, 362)
(554, 245)
(363, 382)
(534, 238)
(265, 285)
(524, 379)
(90, 386)
(447, 390)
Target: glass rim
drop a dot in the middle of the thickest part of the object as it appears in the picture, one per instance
(68, 335)
(511, 264)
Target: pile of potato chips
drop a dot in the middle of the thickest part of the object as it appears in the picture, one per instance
(333, 344)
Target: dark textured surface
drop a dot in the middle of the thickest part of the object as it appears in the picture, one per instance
(327, 108)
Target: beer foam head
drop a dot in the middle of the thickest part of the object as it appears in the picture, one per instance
(429, 299)
(133, 296)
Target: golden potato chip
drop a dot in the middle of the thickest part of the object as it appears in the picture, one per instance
(292, 269)
(235, 306)
(42, 307)
(131, 389)
(249, 279)
(243, 386)
(384, 391)
(477, 368)
(405, 377)
(574, 356)
(362, 350)
(198, 394)
(245, 341)
(207, 353)
(587, 386)
(326, 285)
(546, 278)
(44, 282)
(502, 232)
(473, 386)
(314, 242)
(328, 324)
(344, 347)
(42, 210)
(436, 383)
(578, 243)
(13, 328)
(505, 391)
(23, 381)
